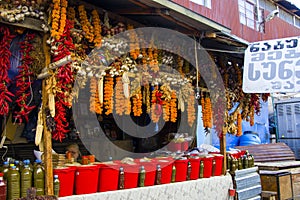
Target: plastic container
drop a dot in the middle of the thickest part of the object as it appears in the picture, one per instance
(86, 179)
(218, 164)
(150, 167)
(26, 180)
(166, 165)
(249, 138)
(39, 178)
(184, 146)
(13, 183)
(66, 178)
(2, 187)
(195, 162)
(108, 177)
(174, 146)
(181, 169)
(207, 160)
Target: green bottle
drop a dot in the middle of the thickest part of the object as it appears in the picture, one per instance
(13, 183)
(142, 176)
(5, 169)
(158, 175)
(201, 174)
(121, 178)
(56, 185)
(173, 174)
(39, 178)
(26, 180)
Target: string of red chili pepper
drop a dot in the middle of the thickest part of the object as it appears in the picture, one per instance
(5, 95)
(65, 80)
(24, 81)
(254, 101)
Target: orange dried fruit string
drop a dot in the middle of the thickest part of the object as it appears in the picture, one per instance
(154, 115)
(95, 105)
(134, 43)
(208, 108)
(191, 109)
(55, 16)
(137, 103)
(85, 24)
(97, 28)
(239, 124)
(119, 97)
(108, 94)
(173, 107)
(166, 110)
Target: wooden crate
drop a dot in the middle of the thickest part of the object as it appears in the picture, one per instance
(277, 181)
(296, 182)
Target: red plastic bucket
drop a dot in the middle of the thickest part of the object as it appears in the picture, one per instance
(218, 164)
(207, 161)
(195, 163)
(181, 170)
(166, 165)
(184, 146)
(174, 146)
(150, 167)
(66, 177)
(108, 177)
(86, 179)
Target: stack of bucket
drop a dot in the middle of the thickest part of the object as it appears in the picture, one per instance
(102, 177)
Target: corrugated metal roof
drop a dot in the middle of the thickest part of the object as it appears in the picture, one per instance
(289, 6)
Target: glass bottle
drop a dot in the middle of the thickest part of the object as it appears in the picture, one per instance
(158, 175)
(13, 183)
(56, 185)
(26, 179)
(121, 178)
(142, 175)
(189, 170)
(39, 178)
(173, 174)
(201, 174)
(5, 169)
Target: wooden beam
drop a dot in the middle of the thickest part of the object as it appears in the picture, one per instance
(137, 11)
(223, 152)
(47, 134)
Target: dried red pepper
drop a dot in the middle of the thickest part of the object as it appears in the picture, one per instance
(5, 95)
(24, 81)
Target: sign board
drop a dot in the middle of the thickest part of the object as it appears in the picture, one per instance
(272, 66)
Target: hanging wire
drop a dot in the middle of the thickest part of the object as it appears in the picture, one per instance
(197, 96)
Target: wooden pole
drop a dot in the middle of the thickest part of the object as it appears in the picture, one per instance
(223, 152)
(47, 134)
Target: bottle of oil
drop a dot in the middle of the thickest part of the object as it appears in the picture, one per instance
(56, 185)
(142, 176)
(121, 178)
(5, 169)
(158, 175)
(13, 183)
(39, 178)
(26, 179)
(201, 174)
(173, 179)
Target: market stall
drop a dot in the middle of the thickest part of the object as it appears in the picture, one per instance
(72, 70)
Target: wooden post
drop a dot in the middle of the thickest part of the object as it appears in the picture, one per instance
(223, 151)
(47, 134)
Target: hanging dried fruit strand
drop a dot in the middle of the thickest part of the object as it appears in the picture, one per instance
(191, 109)
(156, 106)
(239, 124)
(97, 28)
(120, 100)
(166, 110)
(95, 105)
(85, 24)
(173, 107)
(134, 43)
(137, 104)
(108, 94)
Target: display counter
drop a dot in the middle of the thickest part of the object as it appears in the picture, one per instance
(207, 188)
